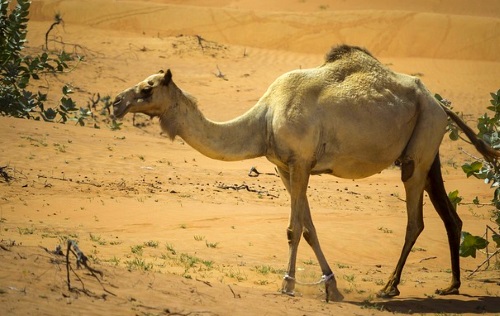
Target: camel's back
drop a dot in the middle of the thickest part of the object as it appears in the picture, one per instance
(352, 108)
(351, 84)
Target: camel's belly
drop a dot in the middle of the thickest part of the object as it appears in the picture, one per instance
(351, 169)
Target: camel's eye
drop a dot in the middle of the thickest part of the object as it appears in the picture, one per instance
(146, 90)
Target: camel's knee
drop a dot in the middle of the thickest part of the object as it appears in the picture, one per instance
(293, 235)
(310, 236)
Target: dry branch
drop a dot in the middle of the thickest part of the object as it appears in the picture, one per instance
(255, 173)
(5, 175)
(220, 74)
(81, 259)
(246, 187)
(234, 294)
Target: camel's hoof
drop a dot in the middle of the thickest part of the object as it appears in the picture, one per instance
(334, 296)
(288, 286)
(289, 293)
(388, 293)
(448, 291)
(332, 292)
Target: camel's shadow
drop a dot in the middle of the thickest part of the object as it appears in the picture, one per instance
(469, 304)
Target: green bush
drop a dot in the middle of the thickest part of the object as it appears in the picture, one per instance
(487, 171)
(17, 69)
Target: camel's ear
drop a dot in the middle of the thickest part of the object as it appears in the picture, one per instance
(167, 78)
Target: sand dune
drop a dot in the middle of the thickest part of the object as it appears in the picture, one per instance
(391, 29)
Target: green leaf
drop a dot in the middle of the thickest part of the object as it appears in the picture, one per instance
(454, 198)
(476, 200)
(496, 239)
(470, 244)
(49, 115)
(454, 134)
(66, 90)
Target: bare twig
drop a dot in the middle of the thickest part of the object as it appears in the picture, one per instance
(220, 74)
(487, 260)
(204, 282)
(69, 180)
(81, 259)
(255, 173)
(488, 256)
(243, 186)
(200, 40)
(234, 294)
(57, 20)
(5, 175)
(427, 258)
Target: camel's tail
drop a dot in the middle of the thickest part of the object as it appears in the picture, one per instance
(486, 150)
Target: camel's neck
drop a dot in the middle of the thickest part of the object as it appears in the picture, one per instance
(241, 138)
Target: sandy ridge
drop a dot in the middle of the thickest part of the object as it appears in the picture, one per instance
(395, 33)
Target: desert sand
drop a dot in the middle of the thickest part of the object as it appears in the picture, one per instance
(168, 227)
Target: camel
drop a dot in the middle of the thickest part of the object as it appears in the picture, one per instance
(351, 117)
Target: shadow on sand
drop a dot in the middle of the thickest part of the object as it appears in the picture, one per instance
(469, 304)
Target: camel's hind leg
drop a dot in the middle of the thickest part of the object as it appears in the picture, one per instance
(414, 188)
(437, 194)
(418, 158)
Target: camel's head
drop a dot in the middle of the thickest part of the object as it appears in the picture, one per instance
(149, 96)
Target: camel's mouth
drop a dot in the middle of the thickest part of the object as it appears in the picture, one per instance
(120, 108)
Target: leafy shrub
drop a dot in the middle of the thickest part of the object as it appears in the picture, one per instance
(489, 171)
(17, 69)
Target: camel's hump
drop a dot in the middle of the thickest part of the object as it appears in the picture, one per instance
(343, 51)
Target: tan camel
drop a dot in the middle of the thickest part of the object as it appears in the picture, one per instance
(351, 117)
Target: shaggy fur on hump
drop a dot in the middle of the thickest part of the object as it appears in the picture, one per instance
(340, 51)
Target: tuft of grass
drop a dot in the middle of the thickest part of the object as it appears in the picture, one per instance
(343, 266)
(138, 264)
(60, 147)
(151, 244)
(385, 230)
(190, 261)
(379, 282)
(349, 278)
(309, 262)
(199, 237)
(170, 248)
(415, 249)
(26, 230)
(237, 274)
(266, 269)
(211, 244)
(262, 282)
(137, 249)
(115, 261)
(97, 239)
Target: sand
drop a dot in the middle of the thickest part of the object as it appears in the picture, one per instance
(161, 221)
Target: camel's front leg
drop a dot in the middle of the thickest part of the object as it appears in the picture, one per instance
(296, 185)
(310, 235)
(301, 223)
(293, 243)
